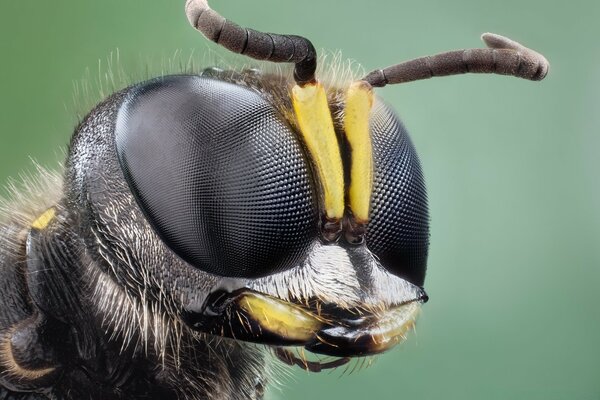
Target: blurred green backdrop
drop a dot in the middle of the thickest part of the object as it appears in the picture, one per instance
(512, 169)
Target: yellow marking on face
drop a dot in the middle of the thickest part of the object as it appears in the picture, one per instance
(12, 367)
(316, 126)
(44, 220)
(281, 318)
(359, 101)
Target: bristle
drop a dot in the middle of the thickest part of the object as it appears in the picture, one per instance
(111, 74)
(30, 195)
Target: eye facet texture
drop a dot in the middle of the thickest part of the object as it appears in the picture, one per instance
(398, 232)
(219, 174)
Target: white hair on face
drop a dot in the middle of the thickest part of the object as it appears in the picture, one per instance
(132, 320)
(144, 325)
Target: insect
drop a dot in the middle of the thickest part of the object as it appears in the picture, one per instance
(205, 224)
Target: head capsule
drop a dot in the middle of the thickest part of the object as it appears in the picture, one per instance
(264, 209)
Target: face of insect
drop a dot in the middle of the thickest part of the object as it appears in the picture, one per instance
(201, 196)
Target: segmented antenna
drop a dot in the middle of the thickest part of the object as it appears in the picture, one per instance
(249, 42)
(504, 56)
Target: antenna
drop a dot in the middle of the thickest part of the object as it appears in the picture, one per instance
(254, 44)
(503, 56)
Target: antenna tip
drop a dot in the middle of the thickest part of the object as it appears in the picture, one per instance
(193, 10)
(495, 41)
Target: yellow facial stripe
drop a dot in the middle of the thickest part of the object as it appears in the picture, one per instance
(281, 318)
(316, 127)
(359, 100)
(44, 220)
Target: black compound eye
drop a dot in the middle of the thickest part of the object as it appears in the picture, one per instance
(219, 174)
(398, 232)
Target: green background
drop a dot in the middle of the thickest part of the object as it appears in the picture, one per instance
(512, 170)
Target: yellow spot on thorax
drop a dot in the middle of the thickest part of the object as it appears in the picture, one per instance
(44, 220)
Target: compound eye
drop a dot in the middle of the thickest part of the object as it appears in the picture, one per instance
(398, 232)
(219, 175)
